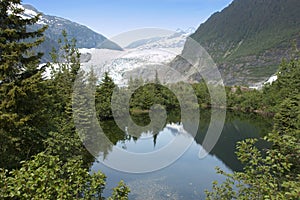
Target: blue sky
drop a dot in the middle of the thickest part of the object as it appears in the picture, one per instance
(116, 16)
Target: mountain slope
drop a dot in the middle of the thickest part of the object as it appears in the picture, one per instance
(85, 37)
(249, 38)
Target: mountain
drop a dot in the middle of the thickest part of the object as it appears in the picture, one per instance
(175, 40)
(85, 37)
(248, 39)
(140, 59)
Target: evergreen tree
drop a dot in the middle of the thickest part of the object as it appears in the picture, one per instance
(64, 69)
(64, 140)
(103, 97)
(23, 119)
(16, 62)
(287, 84)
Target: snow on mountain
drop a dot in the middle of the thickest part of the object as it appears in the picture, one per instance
(190, 30)
(271, 79)
(85, 37)
(259, 86)
(30, 12)
(175, 40)
(140, 59)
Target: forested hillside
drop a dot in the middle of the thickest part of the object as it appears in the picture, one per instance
(248, 39)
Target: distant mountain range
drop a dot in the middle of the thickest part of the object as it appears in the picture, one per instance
(248, 39)
(85, 37)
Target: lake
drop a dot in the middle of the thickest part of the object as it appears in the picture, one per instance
(188, 176)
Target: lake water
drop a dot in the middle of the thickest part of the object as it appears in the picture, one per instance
(188, 176)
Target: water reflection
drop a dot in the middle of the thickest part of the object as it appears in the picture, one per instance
(189, 176)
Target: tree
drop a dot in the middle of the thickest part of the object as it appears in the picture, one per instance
(47, 177)
(16, 62)
(36, 115)
(64, 70)
(23, 119)
(64, 93)
(120, 192)
(288, 83)
(103, 97)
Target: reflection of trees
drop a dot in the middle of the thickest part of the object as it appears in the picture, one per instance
(113, 134)
(236, 128)
(101, 142)
(264, 123)
(155, 126)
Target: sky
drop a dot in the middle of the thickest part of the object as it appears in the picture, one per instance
(113, 17)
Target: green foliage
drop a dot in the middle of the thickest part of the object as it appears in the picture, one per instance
(120, 192)
(103, 96)
(271, 96)
(47, 177)
(240, 30)
(64, 69)
(23, 118)
(273, 176)
(248, 38)
(146, 95)
(63, 140)
(273, 173)
(36, 117)
(247, 101)
(16, 60)
(288, 84)
(74, 101)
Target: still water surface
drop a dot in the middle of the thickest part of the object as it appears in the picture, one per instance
(189, 176)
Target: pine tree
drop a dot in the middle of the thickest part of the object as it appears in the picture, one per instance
(103, 97)
(64, 68)
(68, 87)
(22, 96)
(16, 62)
